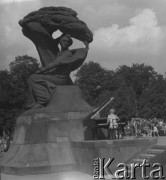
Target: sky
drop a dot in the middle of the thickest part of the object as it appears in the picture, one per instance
(124, 31)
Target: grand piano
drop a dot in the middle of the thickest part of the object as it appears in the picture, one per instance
(99, 124)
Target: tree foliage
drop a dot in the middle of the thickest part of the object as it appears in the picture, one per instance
(138, 90)
(153, 101)
(92, 80)
(14, 89)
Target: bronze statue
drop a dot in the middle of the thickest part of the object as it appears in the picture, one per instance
(57, 64)
(43, 137)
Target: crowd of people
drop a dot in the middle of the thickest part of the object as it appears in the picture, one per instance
(146, 127)
(139, 127)
(4, 142)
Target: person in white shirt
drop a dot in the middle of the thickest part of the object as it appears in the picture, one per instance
(155, 130)
(113, 125)
(161, 123)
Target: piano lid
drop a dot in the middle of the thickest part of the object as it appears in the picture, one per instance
(95, 113)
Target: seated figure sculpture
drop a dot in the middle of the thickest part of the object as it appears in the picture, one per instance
(42, 142)
(57, 64)
(56, 72)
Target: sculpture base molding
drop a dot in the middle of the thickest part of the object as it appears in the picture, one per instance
(43, 137)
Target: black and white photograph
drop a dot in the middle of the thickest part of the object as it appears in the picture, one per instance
(82, 89)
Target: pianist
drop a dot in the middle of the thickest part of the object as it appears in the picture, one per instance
(112, 120)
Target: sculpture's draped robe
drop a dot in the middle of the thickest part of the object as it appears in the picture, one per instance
(42, 85)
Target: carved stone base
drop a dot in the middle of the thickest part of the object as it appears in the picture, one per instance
(42, 138)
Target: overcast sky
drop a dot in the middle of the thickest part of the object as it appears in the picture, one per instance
(125, 31)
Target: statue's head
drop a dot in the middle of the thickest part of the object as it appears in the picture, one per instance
(65, 41)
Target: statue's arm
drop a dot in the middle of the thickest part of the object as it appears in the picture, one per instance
(49, 66)
(76, 59)
(78, 54)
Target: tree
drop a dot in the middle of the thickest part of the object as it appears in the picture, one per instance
(136, 90)
(5, 88)
(124, 102)
(20, 70)
(93, 80)
(98, 84)
(138, 77)
(14, 89)
(153, 102)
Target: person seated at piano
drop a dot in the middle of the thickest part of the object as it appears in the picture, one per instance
(112, 120)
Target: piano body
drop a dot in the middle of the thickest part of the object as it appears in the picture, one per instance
(93, 123)
(100, 125)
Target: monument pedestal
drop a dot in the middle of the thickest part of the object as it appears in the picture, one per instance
(42, 138)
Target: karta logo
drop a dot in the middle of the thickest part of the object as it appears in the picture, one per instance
(102, 169)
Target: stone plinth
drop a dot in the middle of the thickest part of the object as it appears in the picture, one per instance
(42, 138)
